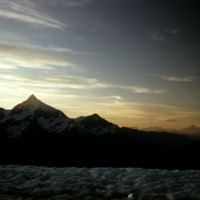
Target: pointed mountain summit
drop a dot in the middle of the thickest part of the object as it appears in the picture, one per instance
(32, 99)
(40, 108)
(31, 103)
(33, 112)
(37, 107)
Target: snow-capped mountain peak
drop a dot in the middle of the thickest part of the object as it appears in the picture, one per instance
(34, 107)
(34, 113)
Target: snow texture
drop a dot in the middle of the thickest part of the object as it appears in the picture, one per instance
(39, 183)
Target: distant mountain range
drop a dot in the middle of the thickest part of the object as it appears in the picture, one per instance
(192, 131)
(36, 133)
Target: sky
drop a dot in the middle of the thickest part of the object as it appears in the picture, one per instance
(134, 62)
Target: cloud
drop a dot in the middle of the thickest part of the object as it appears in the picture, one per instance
(77, 2)
(150, 111)
(5, 66)
(171, 120)
(23, 41)
(54, 81)
(64, 50)
(161, 36)
(126, 113)
(172, 31)
(143, 90)
(15, 89)
(178, 79)
(75, 82)
(15, 56)
(26, 11)
(69, 3)
(12, 38)
(69, 94)
(157, 36)
(175, 78)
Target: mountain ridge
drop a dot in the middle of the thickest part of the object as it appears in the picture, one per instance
(192, 131)
(51, 138)
(51, 119)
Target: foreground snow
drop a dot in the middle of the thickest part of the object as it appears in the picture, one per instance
(31, 183)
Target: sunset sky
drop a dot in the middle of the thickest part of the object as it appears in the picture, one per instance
(134, 62)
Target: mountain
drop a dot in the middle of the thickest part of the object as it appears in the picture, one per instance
(33, 111)
(38, 134)
(2, 113)
(97, 125)
(156, 129)
(193, 131)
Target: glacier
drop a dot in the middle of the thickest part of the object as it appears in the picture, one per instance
(51, 183)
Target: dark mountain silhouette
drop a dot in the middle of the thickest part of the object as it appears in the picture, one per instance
(155, 129)
(35, 133)
(192, 132)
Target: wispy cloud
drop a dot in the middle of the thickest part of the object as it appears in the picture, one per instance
(14, 56)
(79, 102)
(74, 3)
(54, 81)
(172, 31)
(26, 11)
(145, 114)
(161, 36)
(178, 79)
(157, 36)
(147, 110)
(65, 50)
(12, 38)
(175, 78)
(171, 120)
(65, 81)
(143, 90)
(23, 41)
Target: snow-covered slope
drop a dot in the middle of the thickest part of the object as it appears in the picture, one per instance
(33, 111)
